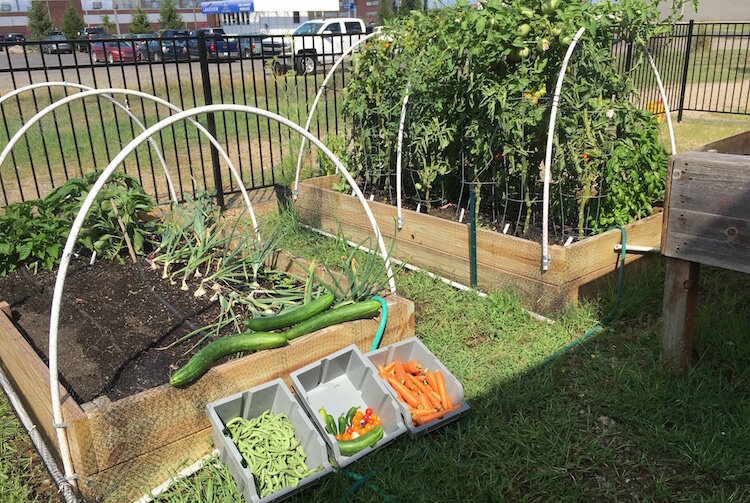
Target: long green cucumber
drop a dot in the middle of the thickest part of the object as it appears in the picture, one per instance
(290, 317)
(352, 447)
(356, 311)
(202, 360)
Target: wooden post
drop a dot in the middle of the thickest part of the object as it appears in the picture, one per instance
(680, 294)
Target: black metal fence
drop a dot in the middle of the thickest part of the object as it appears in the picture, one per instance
(704, 66)
(188, 71)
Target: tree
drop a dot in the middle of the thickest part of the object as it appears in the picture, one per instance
(139, 22)
(170, 17)
(108, 25)
(384, 11)
(40, 24)
(72, 23)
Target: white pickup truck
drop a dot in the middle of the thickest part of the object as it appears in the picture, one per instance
(316, 41)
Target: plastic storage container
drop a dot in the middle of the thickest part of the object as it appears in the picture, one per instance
(414, 349)
(342, 380)
(277, 398)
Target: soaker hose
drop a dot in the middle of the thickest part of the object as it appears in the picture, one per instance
(607, 319)
(383, 321)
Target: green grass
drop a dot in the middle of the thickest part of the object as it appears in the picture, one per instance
(699, 128)
(602, 422)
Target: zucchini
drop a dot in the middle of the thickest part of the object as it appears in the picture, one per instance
(329, 422)
(369, 439)
(290, 317)
(356, 311)
(202, 360)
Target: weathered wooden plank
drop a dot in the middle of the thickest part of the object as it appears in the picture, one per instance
(667, 192)
(680, 295)
(129, 480)
(141, 423)
(711, 183)
(726, 253)
(595, 256)
(738, 144)
(30, 378)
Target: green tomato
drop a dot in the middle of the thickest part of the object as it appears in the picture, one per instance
(523, 30)
(566, 40)
(418, 186)
(525, 52)
(556, 31)
(549, 6)
(527, 12)
(542, 45)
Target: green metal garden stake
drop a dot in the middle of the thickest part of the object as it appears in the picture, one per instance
(472, 236)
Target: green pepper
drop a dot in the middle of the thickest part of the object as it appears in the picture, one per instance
(350, 416)
(329, 422)
(342, 424)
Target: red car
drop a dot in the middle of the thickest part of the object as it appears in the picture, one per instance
(112, 51)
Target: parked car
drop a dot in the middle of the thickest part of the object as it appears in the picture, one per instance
(90, 33)
(170, 33)
(57, 43)
(217, 44)
(249, 46)
(140, 39)
(316, 39)
(112, 51)
(15, 37)
(163, 50)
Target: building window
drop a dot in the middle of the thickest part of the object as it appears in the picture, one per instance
(372, 3)
(295, 17)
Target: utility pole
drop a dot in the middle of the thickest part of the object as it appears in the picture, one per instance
(117, 20)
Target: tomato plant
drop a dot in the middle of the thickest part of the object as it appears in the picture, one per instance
(480, 79)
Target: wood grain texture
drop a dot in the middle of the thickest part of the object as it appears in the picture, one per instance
(738, 144)
(678, 323)
(709, 210)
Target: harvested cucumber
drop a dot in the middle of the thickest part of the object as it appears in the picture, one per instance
(202, 360)
(356, 311)
(369, 439)
(290, 317)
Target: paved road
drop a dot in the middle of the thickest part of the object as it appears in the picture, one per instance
(78, 67)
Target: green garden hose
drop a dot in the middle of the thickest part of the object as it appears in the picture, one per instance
(607, 319)
(383, 320)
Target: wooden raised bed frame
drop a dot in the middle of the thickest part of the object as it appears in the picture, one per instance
(122, 448)
(503, 262)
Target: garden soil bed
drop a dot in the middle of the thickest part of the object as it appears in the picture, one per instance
(504, 262)
(128, 429)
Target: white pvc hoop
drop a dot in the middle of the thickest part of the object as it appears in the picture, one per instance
(664, 100)
(548, 154)
(340, 59)
(98, 92)
(30, 87)
(400, 217)
(75, 229)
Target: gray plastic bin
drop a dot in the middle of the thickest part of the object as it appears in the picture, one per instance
(342, 380)
(277, 398)
(414, 349)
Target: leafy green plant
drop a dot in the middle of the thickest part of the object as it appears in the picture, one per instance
(479, 108)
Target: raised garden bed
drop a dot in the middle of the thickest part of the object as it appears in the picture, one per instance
(128, 429)
(503, 262)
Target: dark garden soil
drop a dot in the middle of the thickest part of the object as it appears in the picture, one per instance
(111, 324)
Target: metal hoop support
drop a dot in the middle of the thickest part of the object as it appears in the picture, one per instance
(400, 217)
(75, 229)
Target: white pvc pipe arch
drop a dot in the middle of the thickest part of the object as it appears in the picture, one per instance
(75, 229)
(400, 217)
(340, 59)
(99, 92)
(31, 87)
(551, 133)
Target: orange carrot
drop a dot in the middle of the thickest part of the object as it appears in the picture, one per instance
(425, 391)
(400, 398)
(400, 372)
(410, 398)
(381, 371)
(422, 419)
(442, 392)
(426, 404)
(430, 378)
(413, 367)
(421, 412)
(390, 366)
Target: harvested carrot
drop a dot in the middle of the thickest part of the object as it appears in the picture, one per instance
(413, 367)
(381, 371)
(426, 404)
(423, 419)
(400, 372)
(421, 412)
(410, 397)
(442, 392)
(390, 366)
(424, 391)
(430, 378)
(400, 398)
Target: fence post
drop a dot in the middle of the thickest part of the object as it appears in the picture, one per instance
(629, 57)
(683, 84)
(472, 236)
(211, 126)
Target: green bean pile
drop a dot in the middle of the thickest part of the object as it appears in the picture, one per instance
(272, 452)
